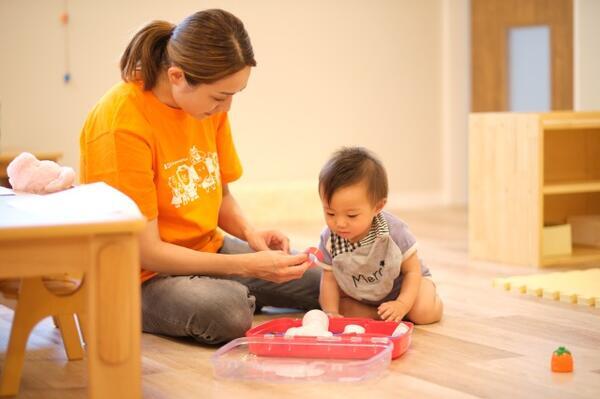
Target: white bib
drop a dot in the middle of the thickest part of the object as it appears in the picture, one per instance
(368, 272)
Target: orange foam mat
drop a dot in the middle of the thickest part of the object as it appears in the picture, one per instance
(579, 286)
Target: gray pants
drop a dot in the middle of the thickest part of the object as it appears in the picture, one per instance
(216, 309)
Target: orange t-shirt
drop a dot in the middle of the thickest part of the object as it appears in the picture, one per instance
(172, 165)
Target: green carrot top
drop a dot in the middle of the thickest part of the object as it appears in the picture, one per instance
(561, 351)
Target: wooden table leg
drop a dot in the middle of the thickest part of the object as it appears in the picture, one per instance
(114, 318)
(27, 315)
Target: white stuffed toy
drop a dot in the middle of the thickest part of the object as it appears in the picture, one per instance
(28, 174)
(315, 323)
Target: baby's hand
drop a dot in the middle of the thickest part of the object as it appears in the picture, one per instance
(392, 311)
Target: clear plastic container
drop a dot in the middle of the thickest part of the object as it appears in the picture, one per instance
(326, 359)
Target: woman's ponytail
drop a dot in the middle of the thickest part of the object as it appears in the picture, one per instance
(146, 53)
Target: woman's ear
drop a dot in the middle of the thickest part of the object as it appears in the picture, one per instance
(176, 76)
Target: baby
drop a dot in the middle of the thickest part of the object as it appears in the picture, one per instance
(374, 268)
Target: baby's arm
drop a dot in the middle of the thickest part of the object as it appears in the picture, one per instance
(411, 281)
(329, 296)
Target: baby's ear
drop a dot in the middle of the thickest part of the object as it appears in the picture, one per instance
(380, 205)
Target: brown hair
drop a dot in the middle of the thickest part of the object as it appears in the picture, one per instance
(351, 165)
(208, 46)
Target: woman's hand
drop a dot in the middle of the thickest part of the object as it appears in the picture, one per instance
(262, 240)
(277, 266)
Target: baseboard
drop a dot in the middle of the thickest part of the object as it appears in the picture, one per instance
(407, 200)
(274, 202)
(298, 201)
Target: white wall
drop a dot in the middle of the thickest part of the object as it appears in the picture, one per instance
(587, 54)
(388, 74)
(330, 73)
(455, 99)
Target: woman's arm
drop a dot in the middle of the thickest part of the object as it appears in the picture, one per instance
(162, 257)
(231, 217)
(233, 221)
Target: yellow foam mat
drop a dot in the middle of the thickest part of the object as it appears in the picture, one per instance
(579, 286)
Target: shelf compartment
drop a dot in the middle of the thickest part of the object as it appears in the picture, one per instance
(571, 156)
(557, 208)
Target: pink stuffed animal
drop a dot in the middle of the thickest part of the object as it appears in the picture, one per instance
(29, 174)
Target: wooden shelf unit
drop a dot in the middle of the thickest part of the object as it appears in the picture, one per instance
(528, 170)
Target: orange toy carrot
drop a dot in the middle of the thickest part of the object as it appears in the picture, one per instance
(562, 361)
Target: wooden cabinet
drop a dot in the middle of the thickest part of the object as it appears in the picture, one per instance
(527, 171)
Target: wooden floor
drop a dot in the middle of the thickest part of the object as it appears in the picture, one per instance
(490, 343)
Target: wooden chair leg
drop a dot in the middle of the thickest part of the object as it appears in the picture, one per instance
(70, 336)
(82, 319)
(36, 302)
(23, 322)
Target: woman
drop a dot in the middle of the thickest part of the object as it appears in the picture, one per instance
(162, 137)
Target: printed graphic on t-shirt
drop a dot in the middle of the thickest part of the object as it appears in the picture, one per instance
(188, 176)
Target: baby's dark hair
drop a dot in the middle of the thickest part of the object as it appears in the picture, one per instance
(351, 165)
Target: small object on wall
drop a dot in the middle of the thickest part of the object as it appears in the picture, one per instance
(562, 360)
(64, 20)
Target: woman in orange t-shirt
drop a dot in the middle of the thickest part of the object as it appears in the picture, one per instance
(162, 137)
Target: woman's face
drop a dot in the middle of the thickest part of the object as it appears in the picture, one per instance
(203, 100)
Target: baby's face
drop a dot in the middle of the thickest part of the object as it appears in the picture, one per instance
(350, 212)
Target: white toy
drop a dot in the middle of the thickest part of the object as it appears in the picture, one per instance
(316, 317)
(354, 329)
(28, 174)
(315, 323)
(400, 330)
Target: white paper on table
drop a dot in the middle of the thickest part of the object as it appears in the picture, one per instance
(6, 191)
(89, 201)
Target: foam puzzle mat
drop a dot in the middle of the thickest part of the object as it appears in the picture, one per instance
(579, 286)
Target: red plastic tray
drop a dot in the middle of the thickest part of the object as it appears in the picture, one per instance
(316, 347)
